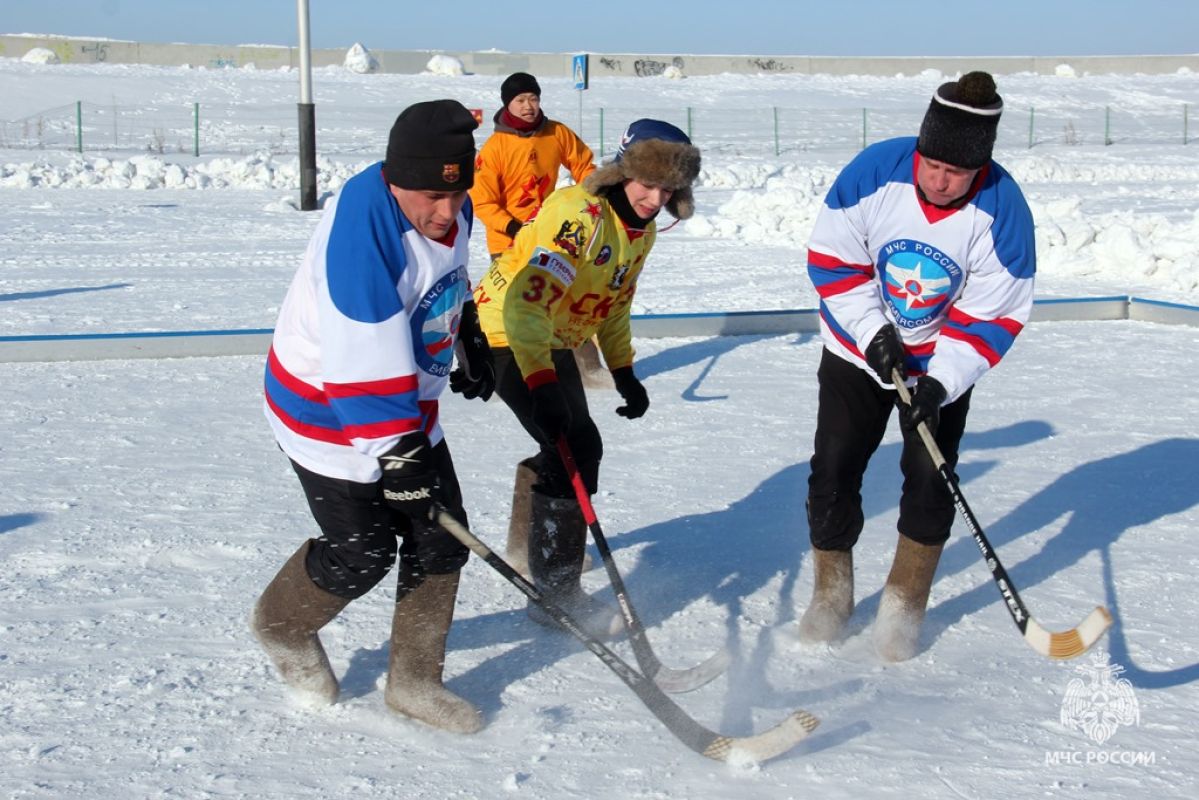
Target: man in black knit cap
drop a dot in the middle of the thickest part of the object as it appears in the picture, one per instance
(362, 349)
(923, 257)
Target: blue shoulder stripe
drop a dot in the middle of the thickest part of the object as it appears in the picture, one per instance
(1012, 228)
(468, 211)
(365, 255)
(886, 162)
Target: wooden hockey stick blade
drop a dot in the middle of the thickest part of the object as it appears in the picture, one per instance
(1071, 643)
(765, 745)
(730, 749)
(678, 681)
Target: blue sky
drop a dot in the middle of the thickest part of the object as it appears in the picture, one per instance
(752, 27)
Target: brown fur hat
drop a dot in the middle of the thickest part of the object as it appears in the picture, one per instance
(655, 153)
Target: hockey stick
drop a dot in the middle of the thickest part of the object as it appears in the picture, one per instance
(731, 749)
(671, 680)
(1063, 645)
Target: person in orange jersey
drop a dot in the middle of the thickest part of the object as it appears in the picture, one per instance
(518, 165)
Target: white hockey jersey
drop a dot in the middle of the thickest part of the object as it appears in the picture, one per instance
(958, 283)
(364, 340)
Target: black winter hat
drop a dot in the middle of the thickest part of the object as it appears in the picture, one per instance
(432, 147)
(960, 124)
(518, 83)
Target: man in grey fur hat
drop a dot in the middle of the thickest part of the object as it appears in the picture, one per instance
(571, 274)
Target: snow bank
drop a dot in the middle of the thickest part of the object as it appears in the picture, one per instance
(1145, 249)
(770, 204)
(40, 55)
(360, 60)
(445, 65)
(261, 171)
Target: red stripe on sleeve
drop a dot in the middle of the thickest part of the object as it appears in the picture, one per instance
(541, 377)
(826, 261)
(292, 383)
(387, 386)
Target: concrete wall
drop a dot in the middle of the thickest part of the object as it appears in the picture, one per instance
(84, 51)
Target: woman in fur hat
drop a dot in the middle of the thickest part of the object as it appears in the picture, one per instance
(571, 274)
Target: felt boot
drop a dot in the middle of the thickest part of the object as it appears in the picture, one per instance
(285, 621)
(905, 597)
(557, 536)
(414, 671)
(517, 551)
(832, 596)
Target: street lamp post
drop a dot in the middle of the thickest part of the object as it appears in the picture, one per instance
(307, 111)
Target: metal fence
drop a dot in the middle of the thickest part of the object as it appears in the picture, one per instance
(361, 130)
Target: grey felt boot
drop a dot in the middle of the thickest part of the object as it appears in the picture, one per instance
(517, 551)
(905, 597)
(285, 621)
(832, 596)
(414, 672)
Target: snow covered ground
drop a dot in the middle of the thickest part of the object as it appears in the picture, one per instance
(145, 505)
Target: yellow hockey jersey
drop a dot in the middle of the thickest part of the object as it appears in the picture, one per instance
(570, 274)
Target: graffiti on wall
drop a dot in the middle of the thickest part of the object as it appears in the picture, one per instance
(648, 67)
(99, 51)
(770, 65)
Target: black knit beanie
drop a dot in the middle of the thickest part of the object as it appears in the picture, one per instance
(432, 147)
(518, 83)
(961, 122)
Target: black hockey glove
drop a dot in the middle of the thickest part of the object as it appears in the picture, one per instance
(636, 401)
(475, 375)
(513, 228)
(551, 414)
(885, 353)
(409, 476)
(927, 397)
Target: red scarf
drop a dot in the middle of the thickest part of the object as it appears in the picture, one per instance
(516, 123)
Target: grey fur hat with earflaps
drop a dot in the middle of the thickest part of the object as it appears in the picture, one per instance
(655, 153)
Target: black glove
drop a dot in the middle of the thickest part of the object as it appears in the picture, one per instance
(475, 375)
(885, 353)
(636, 401)
(551, 414)
(409, 476)
(927, 397)
(513, 228)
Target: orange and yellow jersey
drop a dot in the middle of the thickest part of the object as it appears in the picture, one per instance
(514, 173)
(570, 275)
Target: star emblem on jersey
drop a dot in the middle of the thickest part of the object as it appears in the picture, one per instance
(915, 288)
(533, 190)
(593, 210)
(918, 280)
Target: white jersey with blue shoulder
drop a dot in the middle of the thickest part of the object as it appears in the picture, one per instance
(364, 340)
(958, 283)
